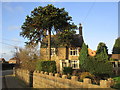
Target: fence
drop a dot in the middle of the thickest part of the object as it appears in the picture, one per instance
(50, 80)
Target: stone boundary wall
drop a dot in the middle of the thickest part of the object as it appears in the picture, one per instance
(50, 80)
(23, 75)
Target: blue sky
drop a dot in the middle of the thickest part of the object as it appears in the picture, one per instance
(99, 20)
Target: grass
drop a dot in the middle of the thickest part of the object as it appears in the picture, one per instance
(117, 85)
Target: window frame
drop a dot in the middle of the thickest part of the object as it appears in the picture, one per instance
(74, 51)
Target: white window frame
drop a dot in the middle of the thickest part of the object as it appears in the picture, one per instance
(53, 51)
(74, 51)
(75, 63)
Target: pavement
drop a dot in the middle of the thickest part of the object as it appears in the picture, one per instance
(9, 81)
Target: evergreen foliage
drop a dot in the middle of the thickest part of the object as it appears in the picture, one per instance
(46, 66)
(83, 57)
(67, 70)
(66, 37)
(116, 48)
(45, 19)
(97, 65)
(102, 52)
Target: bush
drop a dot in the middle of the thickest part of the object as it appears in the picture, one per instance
(86, 75)
(67, 70)
(46, 66)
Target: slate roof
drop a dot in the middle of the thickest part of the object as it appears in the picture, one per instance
(77, 42)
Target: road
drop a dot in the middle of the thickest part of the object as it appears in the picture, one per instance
(9, 81)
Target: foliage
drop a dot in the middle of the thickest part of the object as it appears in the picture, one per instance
(43, 20)
(98, 65)
(27, 57)
(67, 70)
(66, 37)
(86, 75)
(117, 85)
(83, 55)
(102, 52)
(116, 48)
(46, 66)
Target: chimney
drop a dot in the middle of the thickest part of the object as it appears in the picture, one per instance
(80, 29)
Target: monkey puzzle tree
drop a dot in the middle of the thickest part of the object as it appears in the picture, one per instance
(44, 19)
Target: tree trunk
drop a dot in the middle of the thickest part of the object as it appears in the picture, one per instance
(49, 44)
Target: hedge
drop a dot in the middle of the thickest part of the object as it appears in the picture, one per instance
(46, 66)
(67, 70)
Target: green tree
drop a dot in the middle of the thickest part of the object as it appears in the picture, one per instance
(98, 64)
(66, 38)
(102, 52)
(116, 48)
(45, 19)
(83, 57)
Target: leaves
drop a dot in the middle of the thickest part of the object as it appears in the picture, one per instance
(43, 19)
(116, 48)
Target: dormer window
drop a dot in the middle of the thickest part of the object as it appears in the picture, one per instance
(74, 51)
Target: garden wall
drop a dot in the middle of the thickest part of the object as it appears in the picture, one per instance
(50, 80)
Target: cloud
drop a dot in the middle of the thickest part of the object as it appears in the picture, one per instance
(13, 9)
(14, 28)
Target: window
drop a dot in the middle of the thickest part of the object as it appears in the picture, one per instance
(75, 64)
(53, 51)
(74, 51)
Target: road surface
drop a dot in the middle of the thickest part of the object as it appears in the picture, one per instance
(9, 80)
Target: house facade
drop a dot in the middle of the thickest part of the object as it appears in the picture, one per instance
(65, 57)
(116, 63)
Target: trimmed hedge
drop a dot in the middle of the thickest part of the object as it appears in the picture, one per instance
(67, 70)
(46, 66)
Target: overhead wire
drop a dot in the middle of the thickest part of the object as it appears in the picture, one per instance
(90, 9)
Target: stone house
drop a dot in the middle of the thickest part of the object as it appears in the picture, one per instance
(116, 63)
(64, 57)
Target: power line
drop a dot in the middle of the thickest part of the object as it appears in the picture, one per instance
(90, 9)
(8, 44)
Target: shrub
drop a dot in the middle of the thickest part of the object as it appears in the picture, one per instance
(86, 75)
(46, 66)
(67, 70)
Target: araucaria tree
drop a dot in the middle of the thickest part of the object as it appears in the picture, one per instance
(43, 20)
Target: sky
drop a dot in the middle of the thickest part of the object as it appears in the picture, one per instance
(99, 21)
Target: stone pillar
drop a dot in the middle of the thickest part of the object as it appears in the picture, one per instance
(51, 74)
(87, 81)
(64, 76)
(74, 78)
(104, 84)
(111, 82)
(46, 73)
(57, 75)
(42, 72)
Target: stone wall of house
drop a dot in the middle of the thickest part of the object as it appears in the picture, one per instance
(50, 80)
(60, 54)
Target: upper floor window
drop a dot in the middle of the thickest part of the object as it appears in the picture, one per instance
(74, 51)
